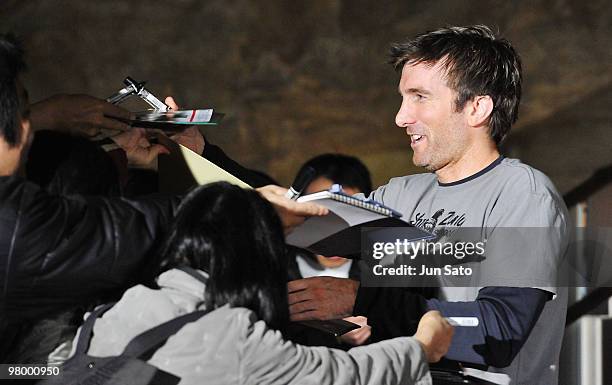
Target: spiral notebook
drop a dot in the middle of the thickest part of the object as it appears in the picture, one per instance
(339, 232)
(335, 193)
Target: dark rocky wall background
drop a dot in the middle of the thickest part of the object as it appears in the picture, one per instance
(298, 78)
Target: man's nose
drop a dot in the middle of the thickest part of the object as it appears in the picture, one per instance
(405, 115)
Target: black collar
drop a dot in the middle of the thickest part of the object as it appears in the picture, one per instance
(474, 176)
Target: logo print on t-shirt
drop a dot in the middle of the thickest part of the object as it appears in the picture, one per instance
(440, 218)
(430, 224)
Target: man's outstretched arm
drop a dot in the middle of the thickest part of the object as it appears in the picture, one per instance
(506, 317)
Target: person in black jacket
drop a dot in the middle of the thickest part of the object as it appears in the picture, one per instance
(55, 251)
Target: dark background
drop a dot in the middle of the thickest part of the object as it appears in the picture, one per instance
(298, 78)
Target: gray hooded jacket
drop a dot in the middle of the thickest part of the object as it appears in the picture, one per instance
(230, 346)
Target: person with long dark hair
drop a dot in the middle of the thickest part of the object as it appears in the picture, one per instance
(226, 254)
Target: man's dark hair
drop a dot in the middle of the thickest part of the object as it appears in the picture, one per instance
(342, 169)
(11, 65)
(235, 236)
(476, 63)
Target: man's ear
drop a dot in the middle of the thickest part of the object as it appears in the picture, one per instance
(24, 146)
(12, 158)
(479, 110)
(26, 133)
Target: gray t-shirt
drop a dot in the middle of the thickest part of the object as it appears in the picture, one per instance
(502, 199)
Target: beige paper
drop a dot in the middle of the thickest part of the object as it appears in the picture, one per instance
(183, 169)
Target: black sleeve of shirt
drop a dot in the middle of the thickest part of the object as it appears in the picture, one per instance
(507, 315)
(254, 178)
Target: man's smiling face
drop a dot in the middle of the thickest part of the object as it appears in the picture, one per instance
(437, 131)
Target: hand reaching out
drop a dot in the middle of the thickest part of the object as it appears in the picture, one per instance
(170, 102)
(435, 335)
(291, 213)
(78, 114)
(321, 298)
(190, 137)
(139, 151)
(358, 336)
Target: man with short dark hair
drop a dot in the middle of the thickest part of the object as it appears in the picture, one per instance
(13, 107)
(461, 88)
